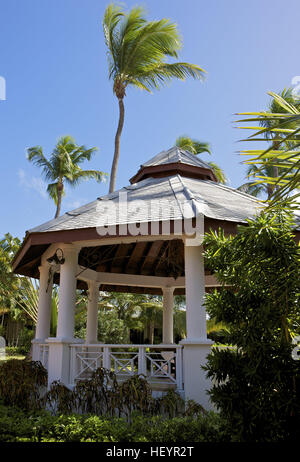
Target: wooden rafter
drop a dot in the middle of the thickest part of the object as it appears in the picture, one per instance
(149, 261)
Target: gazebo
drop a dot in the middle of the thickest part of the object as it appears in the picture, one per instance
(145, 238)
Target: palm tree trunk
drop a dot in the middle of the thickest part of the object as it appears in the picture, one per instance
(270, 190)
(60, 188)
(151, 332)
(114, 166)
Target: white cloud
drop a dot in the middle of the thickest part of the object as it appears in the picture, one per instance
(72, 205)
(35, 183)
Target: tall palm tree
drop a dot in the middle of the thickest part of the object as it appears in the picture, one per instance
(63, 167)
(198, 147)
(137, 53)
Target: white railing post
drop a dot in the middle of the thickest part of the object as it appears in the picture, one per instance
(106, 358)
(72, 364)
(179, 368)
(142, 369)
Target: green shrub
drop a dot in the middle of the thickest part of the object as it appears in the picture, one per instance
(103, 396)
(21, 382)
(26, 336)
(257, 384)
(12, 351)
(18, 425)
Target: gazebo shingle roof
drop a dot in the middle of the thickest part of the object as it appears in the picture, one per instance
(174, 155)
(163, 199)
(159, 193)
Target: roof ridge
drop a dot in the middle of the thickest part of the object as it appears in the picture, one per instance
(188, 194)
(195, 200)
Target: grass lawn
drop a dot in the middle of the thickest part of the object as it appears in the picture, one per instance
(7, 357)
(11, 355)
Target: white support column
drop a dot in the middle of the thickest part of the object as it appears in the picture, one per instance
(92, 313)
(196, 346)
(195, 292)
(67, 293)
(42, 330)
(44, 308)
(168, 303)
(59, 346)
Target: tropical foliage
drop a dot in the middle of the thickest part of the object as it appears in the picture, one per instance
(17, 426)
(198, 147)
(63, 166)
(8, 281)
(278, 166)
(137, 56)
(257, 383)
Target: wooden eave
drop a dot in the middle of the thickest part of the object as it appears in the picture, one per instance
(28, 258)
(175, 168)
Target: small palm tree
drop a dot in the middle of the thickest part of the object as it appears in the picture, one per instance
(137, 52)
(63, 167)
(198, 147)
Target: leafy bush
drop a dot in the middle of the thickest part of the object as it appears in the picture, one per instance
(125, 412)
(12, 351)
(21, 382)
(26, 336)
(103, 396)
(257, 385)
(17, 425)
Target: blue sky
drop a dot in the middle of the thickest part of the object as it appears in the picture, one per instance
(53, 59)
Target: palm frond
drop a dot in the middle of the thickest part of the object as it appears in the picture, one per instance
(283, 155)
(157, 76)
(80, 175)
(36, 156)
(219, 172)
(254, 189)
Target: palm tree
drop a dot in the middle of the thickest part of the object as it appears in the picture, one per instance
(126, 305)
(256, 188)
(198, 147)
(276, 169)
(63, 167)
(194, 146)
(151, 313)
(137, 52)
(27, 300)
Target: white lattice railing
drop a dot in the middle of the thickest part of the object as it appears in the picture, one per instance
(161, 364)
(44, 354)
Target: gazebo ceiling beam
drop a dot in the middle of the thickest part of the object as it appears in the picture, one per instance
(137, 280)
(122, 279)
(126, 240)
